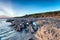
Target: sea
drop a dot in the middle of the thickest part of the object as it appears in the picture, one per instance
(8, 33)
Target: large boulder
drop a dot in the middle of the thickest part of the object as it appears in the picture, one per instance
(48, 32)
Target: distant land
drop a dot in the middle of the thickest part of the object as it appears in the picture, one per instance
(3, 16)
(37, 15)
(45, 14)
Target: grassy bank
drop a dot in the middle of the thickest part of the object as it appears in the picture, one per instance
(45, 14)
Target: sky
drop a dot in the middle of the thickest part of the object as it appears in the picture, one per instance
(26, 7)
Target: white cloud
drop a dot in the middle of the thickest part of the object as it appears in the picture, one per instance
(7, 9)
(2, 13)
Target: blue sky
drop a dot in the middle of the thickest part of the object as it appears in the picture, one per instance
(23, 7)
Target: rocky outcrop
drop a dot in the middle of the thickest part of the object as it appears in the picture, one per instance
(48, 32)
(41, 28)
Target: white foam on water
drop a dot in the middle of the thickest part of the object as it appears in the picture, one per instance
(6, 31)
(6, 34)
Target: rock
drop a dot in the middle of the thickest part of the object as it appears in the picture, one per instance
(9, 20)
(48, 32)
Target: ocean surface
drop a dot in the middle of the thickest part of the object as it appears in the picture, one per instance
(8, 33)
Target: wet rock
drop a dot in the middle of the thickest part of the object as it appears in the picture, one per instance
(9, 20)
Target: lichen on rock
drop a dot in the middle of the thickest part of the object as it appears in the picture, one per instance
(48, 32)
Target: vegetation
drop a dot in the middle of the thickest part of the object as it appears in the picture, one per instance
(46, 14)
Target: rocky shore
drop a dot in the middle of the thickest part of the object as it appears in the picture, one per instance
(40, 28)
(48, 32)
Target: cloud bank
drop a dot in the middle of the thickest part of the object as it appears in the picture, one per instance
(6, 8)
